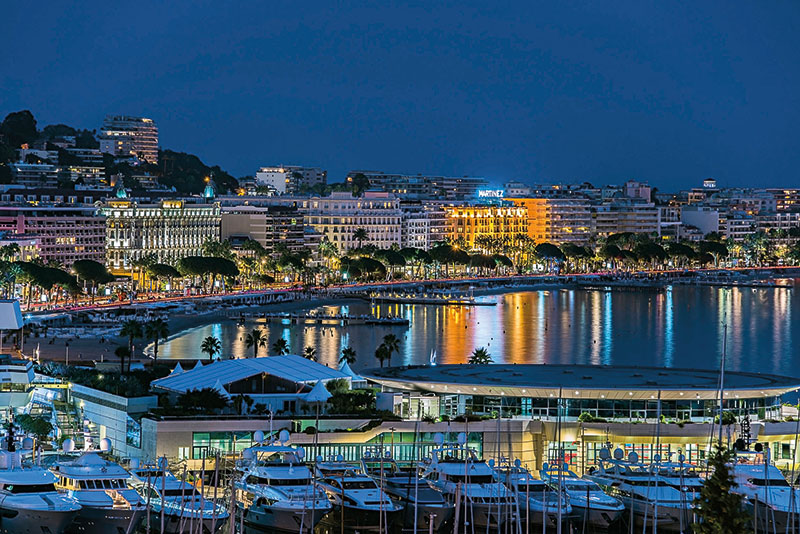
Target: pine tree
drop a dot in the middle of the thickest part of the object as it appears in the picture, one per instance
(719, 509)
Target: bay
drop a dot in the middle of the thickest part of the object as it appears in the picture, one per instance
(679, 327)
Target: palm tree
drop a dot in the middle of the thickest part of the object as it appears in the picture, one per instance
(132, 329)
(382, 353)
(392, 344)
(348, 355)
(310, 353)
(280, 347)
(122, 352)
(360, 235)
(480, 356)
(156, 330)
(211, 346)
(255, 339)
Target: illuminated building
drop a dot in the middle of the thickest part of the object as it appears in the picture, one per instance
(786, 199)
(423, 224)
(269, 225)
(65, 233)
(557, 220)
(421, 186)
(465, 223)
(291, 179)
(620, 215)
(34, 174)
(338, 216)
(170, 229)
(123, 135)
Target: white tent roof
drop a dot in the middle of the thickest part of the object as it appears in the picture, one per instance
(222, 391)
(319, 393)
(289, 367)
(178, 370)
(198, 365)
(345, 368)
(10, 315)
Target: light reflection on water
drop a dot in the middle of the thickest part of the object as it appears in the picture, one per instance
(681, 327)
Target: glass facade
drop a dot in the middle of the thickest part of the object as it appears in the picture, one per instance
(206, 444)
(760, 408)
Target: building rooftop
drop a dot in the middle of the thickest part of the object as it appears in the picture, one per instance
(581, 381)
(289, 367)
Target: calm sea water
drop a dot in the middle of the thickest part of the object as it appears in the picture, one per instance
(682, 327)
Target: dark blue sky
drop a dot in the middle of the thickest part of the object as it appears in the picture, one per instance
(603, 92)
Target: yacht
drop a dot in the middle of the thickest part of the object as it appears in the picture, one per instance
(545, 505)
(108, 505)
(360, 503)
(29, 502)
(775, 505)
(424, 507)
(590, 504)
(276, 491)
(649, 498)
(184, 508)
(469, 484)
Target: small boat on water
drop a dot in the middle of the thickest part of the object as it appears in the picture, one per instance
(424, 507)
(591, 506)
(184, 508)
(276, 491)
(360, 504)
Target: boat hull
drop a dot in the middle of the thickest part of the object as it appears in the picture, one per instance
(258, 519)
(94, 520)
(175, 524)
(442, 515)
(28, 521)
(769, 520)
(484, 515)
(667, 518)
(596, 517)
(362, 520)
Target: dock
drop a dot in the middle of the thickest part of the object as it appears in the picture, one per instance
(431, 301)
(331, 319)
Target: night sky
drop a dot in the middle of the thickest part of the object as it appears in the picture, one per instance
(603, 92)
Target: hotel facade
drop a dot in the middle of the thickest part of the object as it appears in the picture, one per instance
(465, 223)
(169, 229)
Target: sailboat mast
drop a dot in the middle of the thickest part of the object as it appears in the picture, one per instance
(722, 376)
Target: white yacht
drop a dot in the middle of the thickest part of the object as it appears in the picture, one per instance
(29, 502)
(360, 504)
(767, 494)
(591, 506)
(543, 502)
(184, 508)
(469, 484)
(276, 491)
(648, 497)
(423, 506)
(108, 505)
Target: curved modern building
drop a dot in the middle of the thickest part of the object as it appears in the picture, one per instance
(580, 409)
(610, 392)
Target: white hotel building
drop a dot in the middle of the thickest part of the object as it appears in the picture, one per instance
(338, 216)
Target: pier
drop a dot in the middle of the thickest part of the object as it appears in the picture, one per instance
(331, 319)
